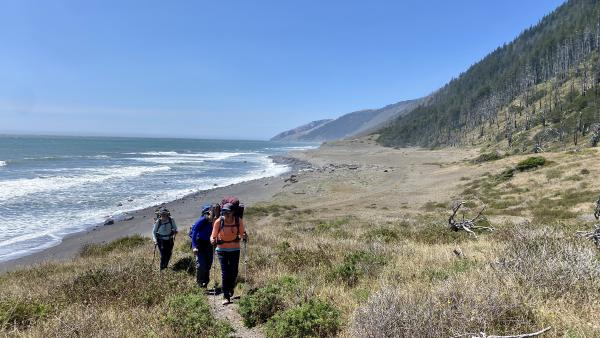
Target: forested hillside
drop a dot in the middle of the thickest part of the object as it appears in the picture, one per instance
(539, 90)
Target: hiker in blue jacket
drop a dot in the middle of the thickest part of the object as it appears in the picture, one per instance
(201, 246)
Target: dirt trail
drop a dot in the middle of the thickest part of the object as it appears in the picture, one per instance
(230, 314)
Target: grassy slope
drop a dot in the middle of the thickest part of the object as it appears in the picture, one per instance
(366, 261)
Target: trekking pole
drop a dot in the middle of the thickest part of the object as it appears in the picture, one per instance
(245, 266)
(154, 256)
(214, 281)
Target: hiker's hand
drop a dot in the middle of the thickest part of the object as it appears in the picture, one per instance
(213, 240)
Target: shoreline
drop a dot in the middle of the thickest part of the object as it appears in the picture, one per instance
(185, 211)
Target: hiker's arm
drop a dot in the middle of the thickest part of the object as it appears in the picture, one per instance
(243, 229)
(215, 232)
(173, 226)
(195, 228)
(154, 230)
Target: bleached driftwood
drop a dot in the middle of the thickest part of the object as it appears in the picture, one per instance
(593, 235)
(467, 225)
(484, 335)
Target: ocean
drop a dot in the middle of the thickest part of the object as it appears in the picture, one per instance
(52, 186)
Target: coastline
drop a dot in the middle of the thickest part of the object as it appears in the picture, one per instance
(185, 211)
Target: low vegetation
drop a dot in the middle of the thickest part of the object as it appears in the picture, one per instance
(373, 272)
(189, 315)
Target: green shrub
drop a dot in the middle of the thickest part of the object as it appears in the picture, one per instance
(121, 244)
(186, 264)
(261, 304)
(385, 235)
(297, 259)
(505, 175)
(266, 210)
(137, 283)
(20, 314)
(189, 315)
(487, 157)
(459, 266)
(355, 265)
(531, 163)
(585, 171)
(315, 318)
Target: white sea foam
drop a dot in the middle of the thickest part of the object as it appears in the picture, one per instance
(34, 231)
(171, 157)
(23, 186)
(2, 163)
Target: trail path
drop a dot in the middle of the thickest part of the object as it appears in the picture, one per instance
(230, 314)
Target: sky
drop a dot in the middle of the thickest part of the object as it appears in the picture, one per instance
(233, 69)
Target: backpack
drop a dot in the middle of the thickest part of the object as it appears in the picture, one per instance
(170, 225)
(237, 225)
(238, 209)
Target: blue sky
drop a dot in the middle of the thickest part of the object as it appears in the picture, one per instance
(233, 69)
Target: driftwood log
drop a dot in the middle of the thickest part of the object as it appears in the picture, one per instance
(467, 225)
(484, 335)
(593, 235)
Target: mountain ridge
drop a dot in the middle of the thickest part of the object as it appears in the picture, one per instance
(348, 125)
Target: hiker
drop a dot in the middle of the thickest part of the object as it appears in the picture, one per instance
(201, 246)
(163, 233)
(228, 231)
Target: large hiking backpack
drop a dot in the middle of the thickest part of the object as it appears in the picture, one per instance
(237, 208)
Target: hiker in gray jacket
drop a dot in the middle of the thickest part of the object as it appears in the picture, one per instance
(163, 233)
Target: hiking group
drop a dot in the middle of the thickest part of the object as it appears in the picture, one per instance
(220, 229)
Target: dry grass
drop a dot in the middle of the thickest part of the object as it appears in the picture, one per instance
(383, 262)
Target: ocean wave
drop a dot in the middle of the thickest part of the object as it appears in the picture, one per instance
(171, 157)
(23, 186)
(2, 163)
(294, 148)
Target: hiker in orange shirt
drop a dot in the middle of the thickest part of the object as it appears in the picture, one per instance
(228, 231)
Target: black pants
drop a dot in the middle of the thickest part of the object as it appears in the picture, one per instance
(165, 246)
(204, 260)
(229, 270)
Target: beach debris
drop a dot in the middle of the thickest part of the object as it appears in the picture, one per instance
(593, 235)
(467, 225)
(119, 204)
(458, 252)
(292, 179)
(484, 335)
(130, 200)
(353, 167)
(128, 218)
(109, 221)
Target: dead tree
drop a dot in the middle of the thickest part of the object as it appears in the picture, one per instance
(593, 235)
(484, 335)
(467, 225)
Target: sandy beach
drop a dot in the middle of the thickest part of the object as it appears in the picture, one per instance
(342, 176)
(185, 211)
